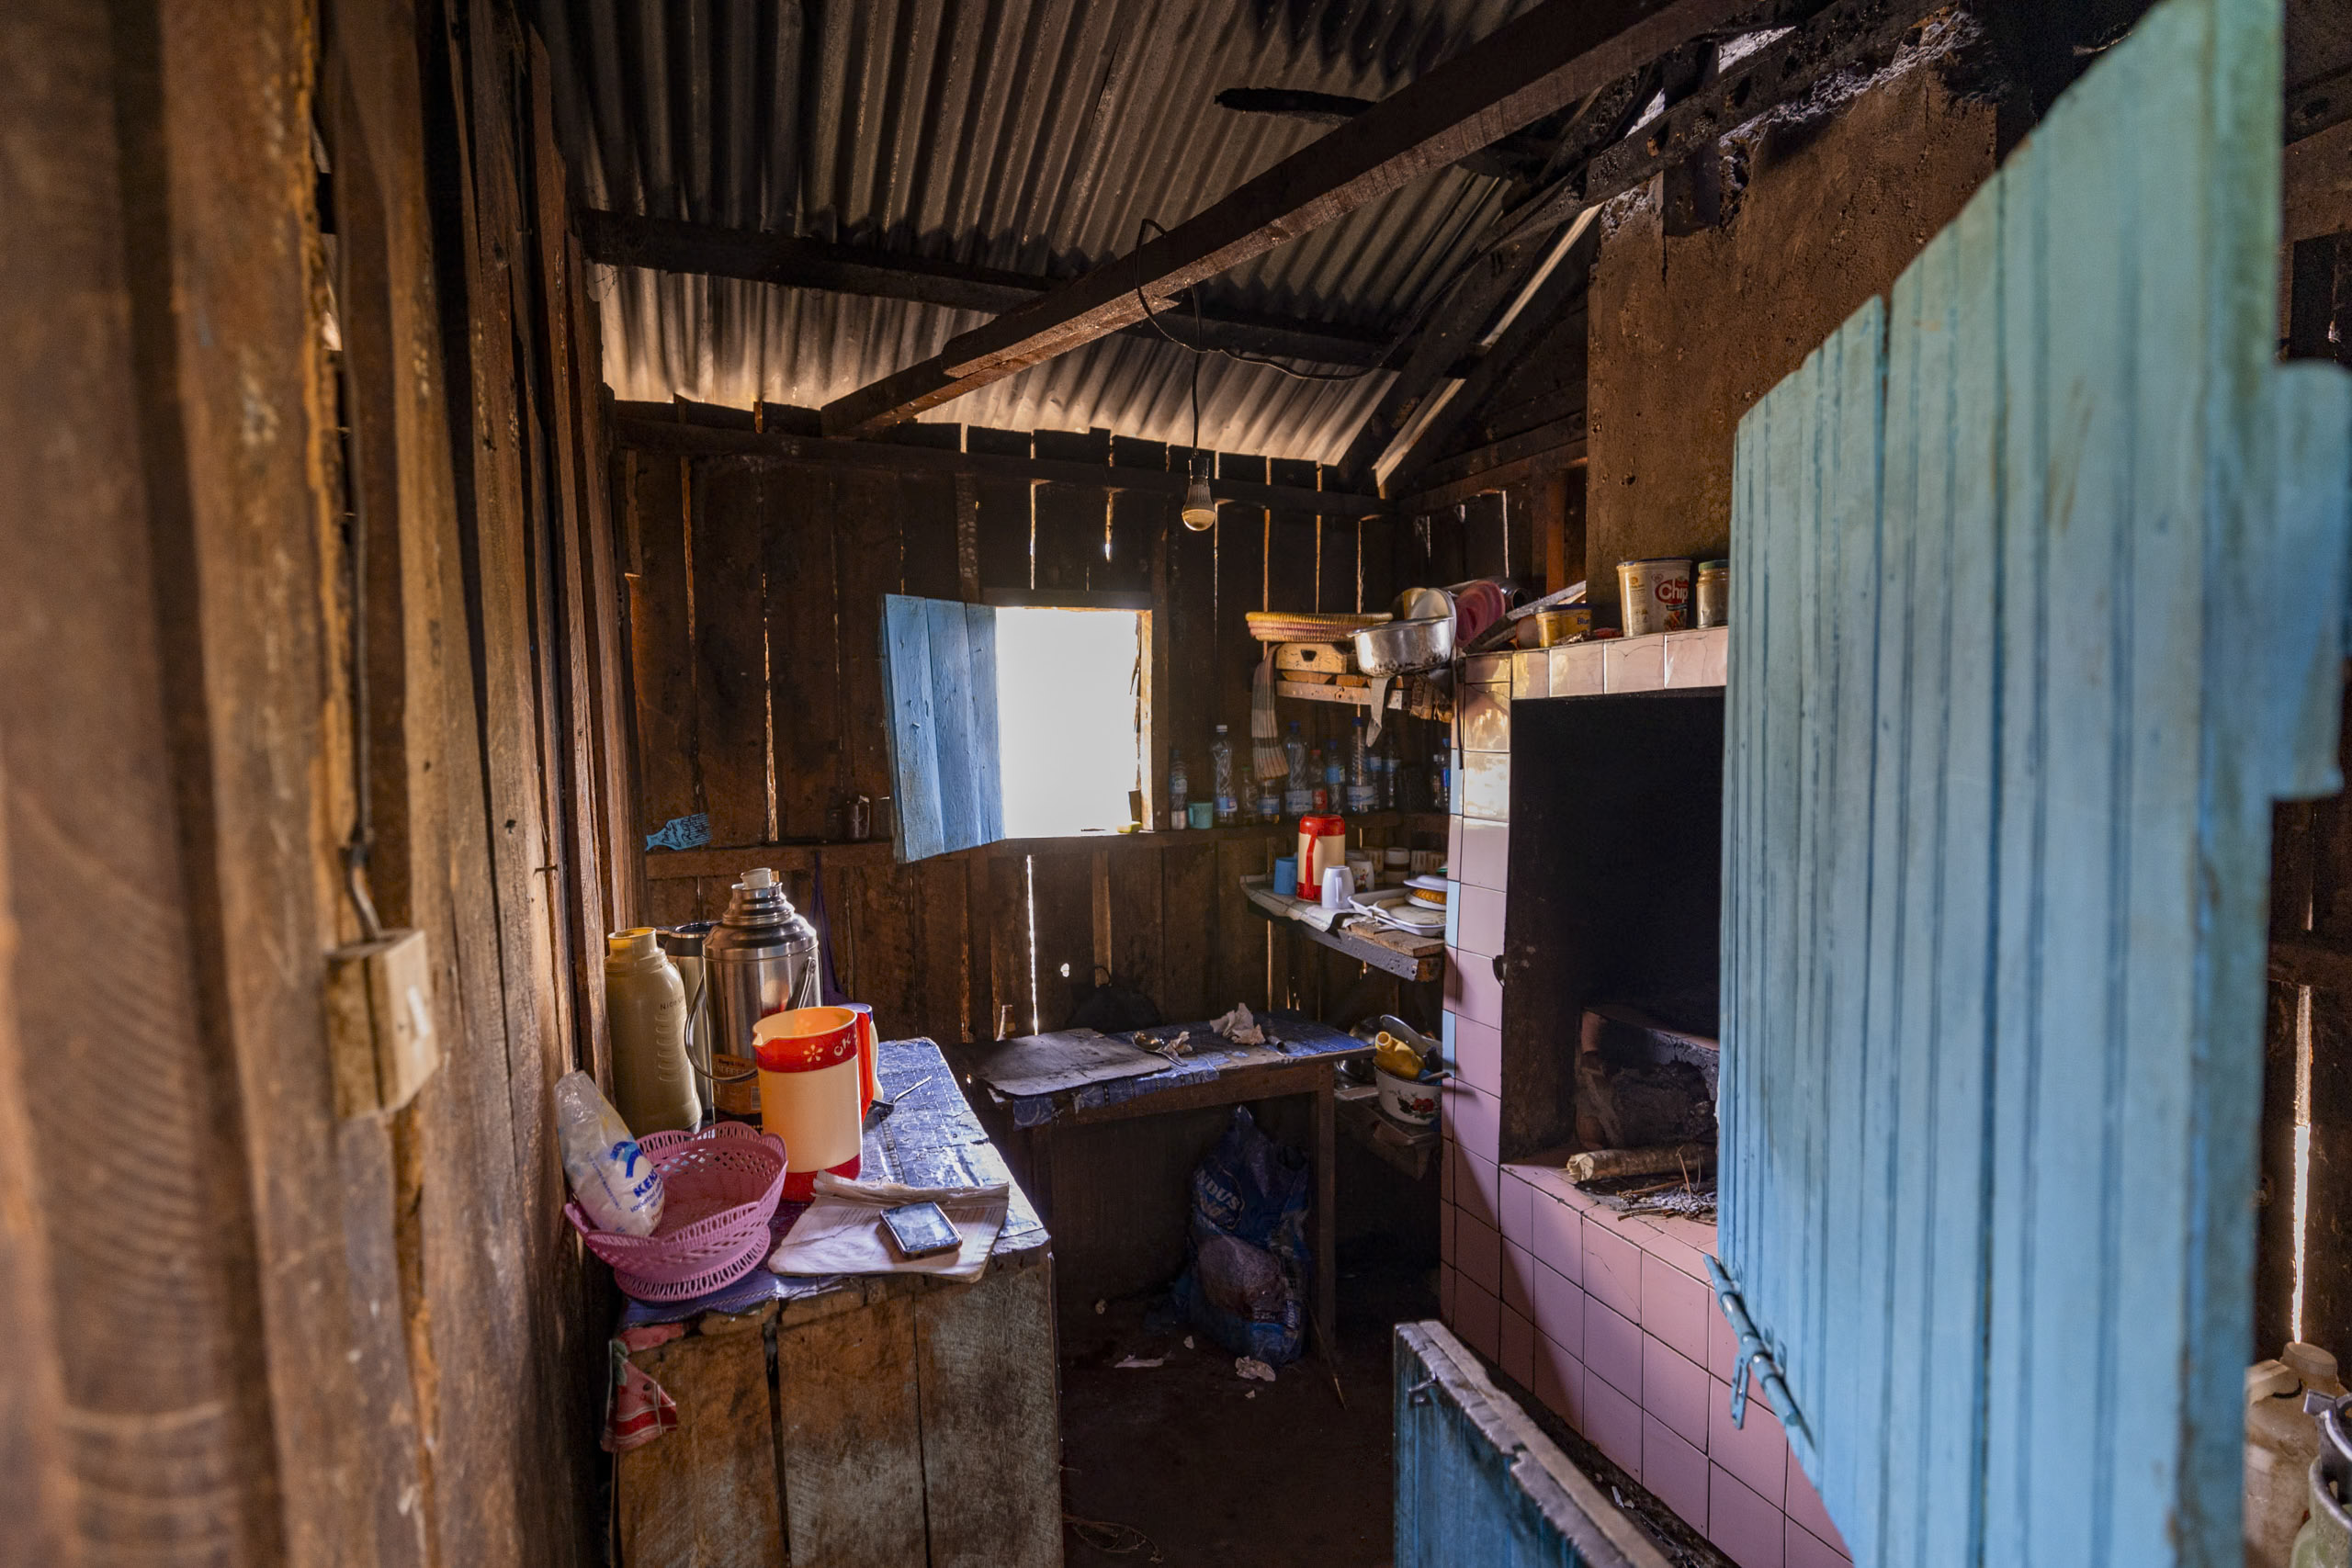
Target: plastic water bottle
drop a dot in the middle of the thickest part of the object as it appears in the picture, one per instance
(1318, 780)
(1228, 802)
(1441, 798)
(1362, 792)
(1298, 797)
(1177, 789)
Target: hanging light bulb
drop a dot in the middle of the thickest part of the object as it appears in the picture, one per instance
(1200, 507)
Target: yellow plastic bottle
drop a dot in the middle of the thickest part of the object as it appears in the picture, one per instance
(645, 1004)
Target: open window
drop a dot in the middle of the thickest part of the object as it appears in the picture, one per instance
(1011, 722)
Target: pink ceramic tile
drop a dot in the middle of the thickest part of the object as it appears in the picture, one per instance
(1697, 1234)
(1445, 1293)
(1483, 855)
(1576, 670)
(1477, 1186)
(1675, 1307)
(1520, 1270)
(1803, 1504)
(1454, 844)
(1746, 1528)
(1446, 1216)
(1487, 668)
(1723, 1345)
(1559, 1309)
(1675, 1391)
(1675, 1470)
(1672, 1249)
(1478, 1252)
(1478, 1056)
(1757, 1453)
(1613, 1423)
(1479, 927)
(1803, 1549)
(1559, 1381)
(1530, 674)
(1613, 1267)
(1557, 1233)
(1519, 1348)
(1471, 988)
(1696, 658)
(1485, 786)
(1473, 1118)
(1519, 1209)
(1446, 1158)
(1634, 664)
(1478, 1318)
(1613, 1348)
(1484, 719)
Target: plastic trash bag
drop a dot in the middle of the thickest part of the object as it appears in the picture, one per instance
(1246, 1283)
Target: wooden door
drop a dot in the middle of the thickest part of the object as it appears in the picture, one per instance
(2039, 577)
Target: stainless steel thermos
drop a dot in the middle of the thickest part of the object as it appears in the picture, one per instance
(760, 959)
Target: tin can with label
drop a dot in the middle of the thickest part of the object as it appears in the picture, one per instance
(1654, 595)
(1715, 593)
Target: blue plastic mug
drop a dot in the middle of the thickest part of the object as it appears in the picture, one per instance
(1287, 877)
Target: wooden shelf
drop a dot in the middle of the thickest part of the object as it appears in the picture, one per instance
(1331, 691)
(1391, 953)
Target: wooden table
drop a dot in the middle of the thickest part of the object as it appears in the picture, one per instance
(863, 1421)
(1312, 1055)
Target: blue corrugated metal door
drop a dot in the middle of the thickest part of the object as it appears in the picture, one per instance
(2039, 588)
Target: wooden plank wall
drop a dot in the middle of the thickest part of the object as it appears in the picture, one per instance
(364, 1340)
(790, 561)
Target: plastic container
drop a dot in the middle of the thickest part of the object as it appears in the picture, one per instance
(1201, 814)
(2282, 1442)
(1412, 1103)
(1322, 845)
(721, 1186)
(1298, 791)
(653, 1079)
(1653, 596)
(812, 1092)
(1228, 799)
(1286, 876)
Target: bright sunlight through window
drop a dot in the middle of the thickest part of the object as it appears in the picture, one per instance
(1066, 720)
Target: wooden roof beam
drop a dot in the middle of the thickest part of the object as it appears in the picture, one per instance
(666, 244)
(1544, 62)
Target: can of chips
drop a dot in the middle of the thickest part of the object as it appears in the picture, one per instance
(1654, 595)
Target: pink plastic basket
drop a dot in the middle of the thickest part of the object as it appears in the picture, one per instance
(719, 1188)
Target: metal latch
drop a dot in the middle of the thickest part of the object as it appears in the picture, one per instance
(1756, 1358)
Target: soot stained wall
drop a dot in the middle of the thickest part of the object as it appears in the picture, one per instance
(1689, 330)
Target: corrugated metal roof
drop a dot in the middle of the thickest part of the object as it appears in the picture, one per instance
(1032, 135)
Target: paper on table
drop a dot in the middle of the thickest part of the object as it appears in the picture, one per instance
(841, 1232)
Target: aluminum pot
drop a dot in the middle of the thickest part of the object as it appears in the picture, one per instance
(1404, 647)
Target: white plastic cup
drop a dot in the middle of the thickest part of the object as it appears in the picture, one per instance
(1338, 886)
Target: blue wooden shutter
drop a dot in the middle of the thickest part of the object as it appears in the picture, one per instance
(939, 678)
(2039, 578)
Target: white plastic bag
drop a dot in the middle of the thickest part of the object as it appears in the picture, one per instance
(611, 1177)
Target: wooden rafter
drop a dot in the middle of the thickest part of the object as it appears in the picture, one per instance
(1835, 38)
(664, 244)
(1544, 62)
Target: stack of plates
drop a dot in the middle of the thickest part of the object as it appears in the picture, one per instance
(1426, 892)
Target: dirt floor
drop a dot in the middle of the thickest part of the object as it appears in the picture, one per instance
(1212, 1469)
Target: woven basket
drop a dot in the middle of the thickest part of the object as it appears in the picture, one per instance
(719, 1188)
